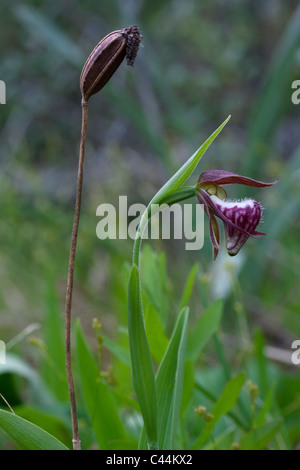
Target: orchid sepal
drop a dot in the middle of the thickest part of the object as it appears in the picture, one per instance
(222, 177)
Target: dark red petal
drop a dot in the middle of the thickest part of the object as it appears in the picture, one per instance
(222, 177)
(259, 234)
(205, 197)
(214, 232)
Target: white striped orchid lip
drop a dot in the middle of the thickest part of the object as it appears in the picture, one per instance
(240, 218)
(244, 214)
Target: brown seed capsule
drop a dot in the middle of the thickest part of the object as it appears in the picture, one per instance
(106, 58)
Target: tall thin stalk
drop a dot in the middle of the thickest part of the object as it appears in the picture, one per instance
(68, 305)
(98, 69)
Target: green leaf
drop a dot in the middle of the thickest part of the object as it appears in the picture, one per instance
(122, 368)
(171, 186)
(54, 367)
(101, 407)
(119, 351)
(158, 341)
(142, 368)
(154, 275)
(57, 424)
(260, 437)
(26, 435)
(41, 394)
(266, 405)
(188, 385)
(169, 382)
(180, 177)
(262, 365)
(224, 404)
(223, 441)
(228, 398)
(188, 288)
(207, 393)
(176, 353)
(182, 194)
(205, 327)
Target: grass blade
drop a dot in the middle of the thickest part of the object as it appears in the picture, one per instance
(169, 382)
(259, 438)
(100, 404)
(173, 185)
(224, 404)
(205, 327)
(142, 368)
(158, 341)
(187, 169)
(181, 331)
(188, 288)
(119, 351)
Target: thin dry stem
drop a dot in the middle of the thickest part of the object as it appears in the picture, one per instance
(6, 402)
(68, 305)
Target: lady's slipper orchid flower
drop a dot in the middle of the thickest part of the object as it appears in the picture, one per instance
(240, 218)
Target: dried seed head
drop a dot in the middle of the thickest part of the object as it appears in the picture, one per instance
(106, 58)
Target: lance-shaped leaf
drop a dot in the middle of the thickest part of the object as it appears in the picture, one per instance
(27, 435)
(141, 361)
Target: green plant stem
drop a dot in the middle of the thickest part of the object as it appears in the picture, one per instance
(68, 304)
(144, 380)
(172, 192)
(177, 196)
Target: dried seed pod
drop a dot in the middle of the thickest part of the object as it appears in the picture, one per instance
(133, 42)
(106, 58)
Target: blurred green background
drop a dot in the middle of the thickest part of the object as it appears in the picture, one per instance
(199, 62)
